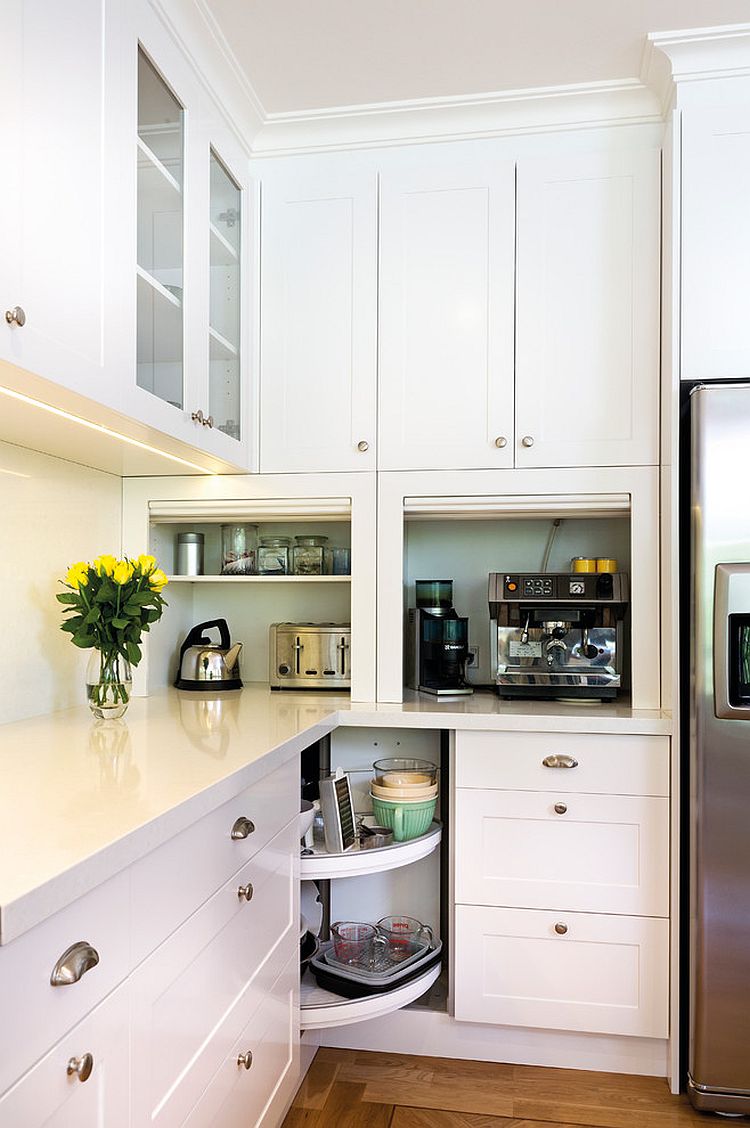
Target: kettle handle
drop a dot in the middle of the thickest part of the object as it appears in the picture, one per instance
(194, 637)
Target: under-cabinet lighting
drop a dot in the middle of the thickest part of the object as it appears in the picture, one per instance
(101, 429)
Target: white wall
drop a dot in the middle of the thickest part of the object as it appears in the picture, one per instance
(52, 513)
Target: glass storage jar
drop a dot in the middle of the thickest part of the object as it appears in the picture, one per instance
(342, 562)
(273, 556)
(312, 557)
(239, 545)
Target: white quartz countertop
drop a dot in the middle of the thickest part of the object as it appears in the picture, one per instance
(80, 800)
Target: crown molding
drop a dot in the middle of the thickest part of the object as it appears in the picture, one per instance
(541, 109)
(694, 55)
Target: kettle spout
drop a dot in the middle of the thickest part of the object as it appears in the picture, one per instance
(232, 655)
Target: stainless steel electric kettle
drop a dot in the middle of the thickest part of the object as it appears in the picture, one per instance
(209, 666)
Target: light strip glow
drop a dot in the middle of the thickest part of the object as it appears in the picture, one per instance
(22, 398)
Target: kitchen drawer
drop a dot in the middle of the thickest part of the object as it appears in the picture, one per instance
(606, 764)
(170, 883)
(209, 976)
(603, 974)
(43, 1013)
(49, 1095)
(590, 853)
(239, 1097)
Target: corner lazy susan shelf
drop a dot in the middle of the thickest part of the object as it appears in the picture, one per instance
(322, 866)
(321, 1009)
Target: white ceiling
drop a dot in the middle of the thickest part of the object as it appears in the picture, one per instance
(312, 54)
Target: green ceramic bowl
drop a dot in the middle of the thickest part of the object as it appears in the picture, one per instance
(406, 820)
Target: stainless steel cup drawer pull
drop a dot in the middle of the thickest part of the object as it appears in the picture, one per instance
(557, 760)
(245, 892)
(561, 928)
(560, 808)
(81, 1067)
(245, 1059)
(242, 828)
(73, 964)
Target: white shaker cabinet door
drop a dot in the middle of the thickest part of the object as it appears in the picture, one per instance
(318, 320)
(446, 315)
(715, 243)
(52, 190)
(587, 319)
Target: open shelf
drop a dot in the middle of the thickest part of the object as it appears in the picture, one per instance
(147, 159)
(219, 348)
(222, 251)
(260, 579)
(320, 1009)
(321, 865)
(158, 287)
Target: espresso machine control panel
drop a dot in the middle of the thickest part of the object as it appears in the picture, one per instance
(559, 587)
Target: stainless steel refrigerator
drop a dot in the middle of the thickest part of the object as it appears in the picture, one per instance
(719, 733)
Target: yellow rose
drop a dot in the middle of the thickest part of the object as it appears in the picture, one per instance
(78, 575)
(146, 563)
(123, 572)
(157, 580)
(105, 564)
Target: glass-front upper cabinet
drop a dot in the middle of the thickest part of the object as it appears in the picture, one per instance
(224, 337)
(160, 241)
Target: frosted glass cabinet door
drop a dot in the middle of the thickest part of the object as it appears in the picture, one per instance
(225, 242)
(446, 315)
(587, 312)
(160, 145)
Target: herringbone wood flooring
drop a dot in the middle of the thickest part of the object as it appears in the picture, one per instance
(352, 1089)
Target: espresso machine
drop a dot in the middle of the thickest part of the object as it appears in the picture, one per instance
(557, 634)
(437, 642)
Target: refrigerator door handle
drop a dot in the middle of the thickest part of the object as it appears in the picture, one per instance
(731, 641)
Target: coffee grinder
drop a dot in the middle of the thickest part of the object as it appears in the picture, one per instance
(437, 642)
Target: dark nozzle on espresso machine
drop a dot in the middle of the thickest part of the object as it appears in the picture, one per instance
(437, 642)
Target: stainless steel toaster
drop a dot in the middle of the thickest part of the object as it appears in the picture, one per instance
(310, 656)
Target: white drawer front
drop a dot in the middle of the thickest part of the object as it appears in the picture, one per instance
(606, 764)
(209, 976)
(41, 1013)
(48, 1095)
(238, 1097)
(604, 974)
(170, 883)
(598, 854)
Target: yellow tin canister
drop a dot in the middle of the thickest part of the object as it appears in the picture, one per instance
(606, 564)
(582, 564)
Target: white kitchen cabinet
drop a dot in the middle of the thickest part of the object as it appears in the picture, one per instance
(53, 190)
(319, 313)
(84, 1081)
(715, 230)
(587, 310)
(561, 970)
(446, 314)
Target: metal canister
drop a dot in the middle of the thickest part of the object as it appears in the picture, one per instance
(189, 554)
(606, 564)
(582, 564)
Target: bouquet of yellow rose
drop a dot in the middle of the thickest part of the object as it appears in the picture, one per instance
(108, 605)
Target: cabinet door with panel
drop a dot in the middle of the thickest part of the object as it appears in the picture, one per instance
(446, 314)
(318, 319)
(715, 243)
(84, 1081)
(587, 317)
(52, 191)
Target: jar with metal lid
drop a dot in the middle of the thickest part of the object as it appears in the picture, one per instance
(273, 556)
(311, 556)
(189, 554)
(239, 545)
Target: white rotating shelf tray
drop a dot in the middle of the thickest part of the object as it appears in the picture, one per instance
(322, 865)
(321, 1009)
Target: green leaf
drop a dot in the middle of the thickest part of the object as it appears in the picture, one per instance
(106, 593)
(134, 652)
(72, 625)
(68, 597)
(93, 616)
(142, 597)
(84, 640)
(120, 624)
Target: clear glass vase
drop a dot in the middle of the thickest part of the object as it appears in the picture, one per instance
(109, 680)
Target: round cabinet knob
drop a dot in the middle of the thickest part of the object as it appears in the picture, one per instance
(527, 441)
(245, 1059)
(245, 892)
(15, 316)
(283, 668)
(362, 446)
(198, 417)
(560, 808)
(81, 1067)
(208, 421)
(242, 828)
(501, 441)
(561, 928)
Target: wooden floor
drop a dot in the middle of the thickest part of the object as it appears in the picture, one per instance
(351, 1089)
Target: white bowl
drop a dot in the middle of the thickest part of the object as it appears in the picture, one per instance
(306, 816)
